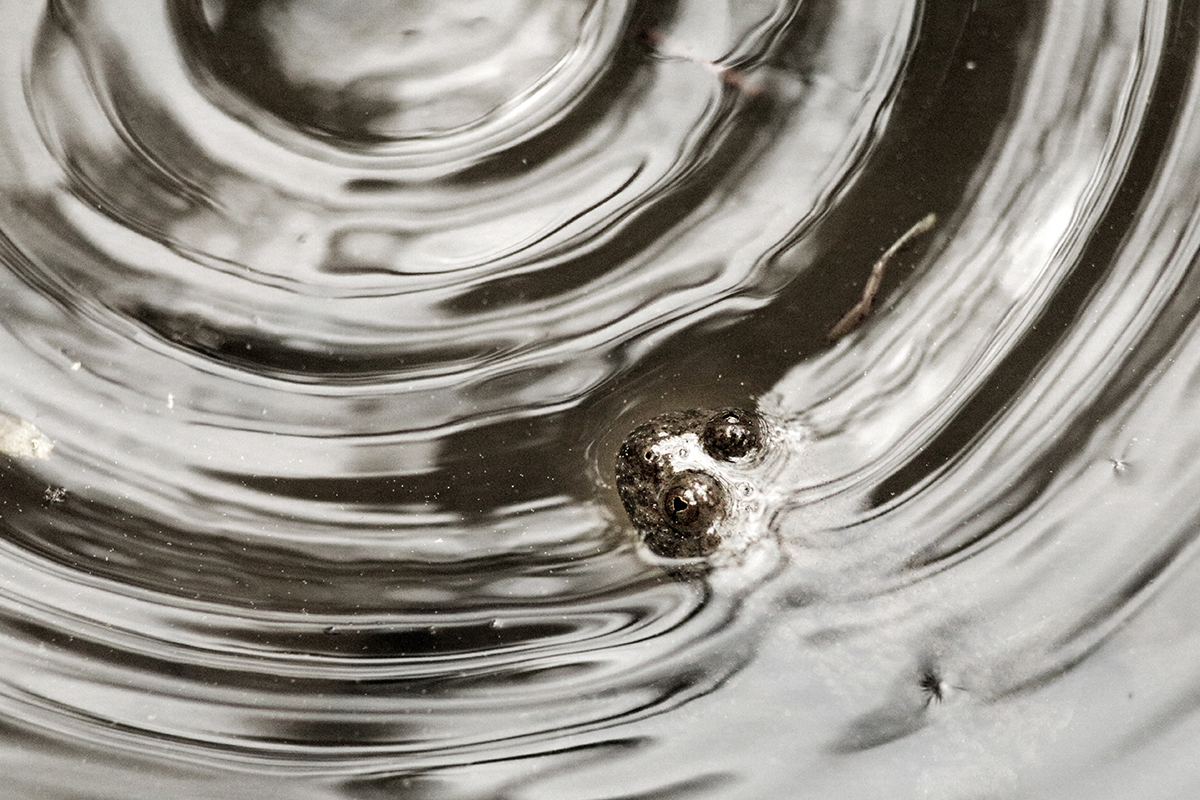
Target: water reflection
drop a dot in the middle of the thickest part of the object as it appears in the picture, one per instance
(336, 314)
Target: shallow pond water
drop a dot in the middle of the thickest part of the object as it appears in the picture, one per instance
(322, 325)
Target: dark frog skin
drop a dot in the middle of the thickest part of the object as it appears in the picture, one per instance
(690, 480)
(708, 483)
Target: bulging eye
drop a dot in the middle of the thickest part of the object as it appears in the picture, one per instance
(733, 435)
(693, 502)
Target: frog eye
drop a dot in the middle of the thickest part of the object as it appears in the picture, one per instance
(692, 503)
(732, 435)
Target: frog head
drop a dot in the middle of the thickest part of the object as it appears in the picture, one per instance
(692, 481)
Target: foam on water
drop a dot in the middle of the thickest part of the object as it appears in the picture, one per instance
(335, 316)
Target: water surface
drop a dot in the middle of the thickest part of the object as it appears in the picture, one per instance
(336, 314)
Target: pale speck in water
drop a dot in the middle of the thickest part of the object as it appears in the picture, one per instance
(417, 269)
(20, 439)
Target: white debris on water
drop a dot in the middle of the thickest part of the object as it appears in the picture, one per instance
(20, 439)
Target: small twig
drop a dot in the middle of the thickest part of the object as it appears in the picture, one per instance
(675, 49)
(858, 313)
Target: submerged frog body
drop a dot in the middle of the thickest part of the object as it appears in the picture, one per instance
(693, 482)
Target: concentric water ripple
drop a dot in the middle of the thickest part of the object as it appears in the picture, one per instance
(335, 315)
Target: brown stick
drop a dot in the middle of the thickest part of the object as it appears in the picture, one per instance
(728, 75)
(854, 317)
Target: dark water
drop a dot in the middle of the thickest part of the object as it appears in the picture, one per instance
(336, 314)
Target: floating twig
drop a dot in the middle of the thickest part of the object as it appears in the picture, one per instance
(730, 76)
(854, 317)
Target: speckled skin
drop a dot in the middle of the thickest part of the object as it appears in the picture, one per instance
(644, 470)
(684, 475)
